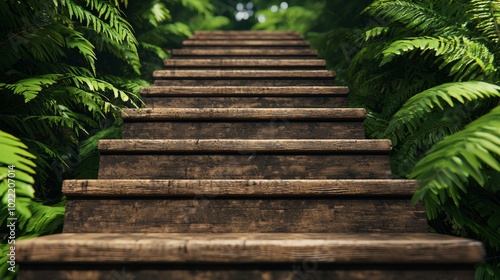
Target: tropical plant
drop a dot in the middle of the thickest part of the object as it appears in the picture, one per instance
(428, 75)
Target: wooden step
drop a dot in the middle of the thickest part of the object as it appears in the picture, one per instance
(244, 159)
(248, 256)
(255, 64)
(242, 206)
(243, 123)
(245, 32)
(245, 97)
(269, 37)
(293, 146)
(245, 114)
(238, 74)
(245, 53)
(236, 188)
(244, 78)
(246, 43)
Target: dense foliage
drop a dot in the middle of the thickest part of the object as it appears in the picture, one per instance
(427, 73)
(67, 69)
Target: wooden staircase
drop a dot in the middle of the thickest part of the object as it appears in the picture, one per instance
(245, 164)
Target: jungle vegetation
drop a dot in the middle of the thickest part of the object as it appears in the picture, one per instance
(426, 71)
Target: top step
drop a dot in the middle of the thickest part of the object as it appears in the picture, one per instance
(246, 32)
(246, 35)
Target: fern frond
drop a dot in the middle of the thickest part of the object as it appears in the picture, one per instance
(469, 59)
(487, 15)
(415, 16)
(375, 32)
(448, 165)
(413, 112)
(16, 171)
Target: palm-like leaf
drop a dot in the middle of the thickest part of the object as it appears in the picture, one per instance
(413, 113)
(468, 59)
(450, 163)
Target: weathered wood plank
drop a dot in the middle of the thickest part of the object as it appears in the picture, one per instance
(245, 63)
(203, 214)
(268, 129)
(245, 32)
(246, 164)
(246, 74)
(264, 36)
(246, 114)
(245, 91)
(279, 146)
(238, 188)
(302, 270)
(244, 52)
(207, 101)
(245, 43)
(386, 248)
(245, 82)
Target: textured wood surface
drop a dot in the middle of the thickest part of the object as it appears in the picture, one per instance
(303, 270)
(259, 37)
(245, 43)
(251, 248)
(264, 129)
(202, 214)
(242, 114)
(246, 32)
(227, 91)
(247, 74)
(244, 165)
(244, 102)
(239, 188)
(277, 146)
(245, 52)
(246, 82)
(285, 64)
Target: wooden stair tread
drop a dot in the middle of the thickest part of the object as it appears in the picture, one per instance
(249, 248)
(247, 188)
(244, 32)
(243, 43)
(238, 145)
(246, 74)
(245, 91)
(269, 37)
(238, 114)
(244, 62)
(245, 52)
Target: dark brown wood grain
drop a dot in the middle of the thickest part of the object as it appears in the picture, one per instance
(241, 248)
(244, 102)
(231, 74)
(302, 270)
(201, 214)
(245, 114)
(271, 129)
(243, 43)
(284, 64)
(236, 146)
(274, 91)
(245, 165)
(245, 52)
(239, 188)
(269, 37)
(246, 82)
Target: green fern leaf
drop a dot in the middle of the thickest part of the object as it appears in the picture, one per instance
(449, 164)
(414, 111)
